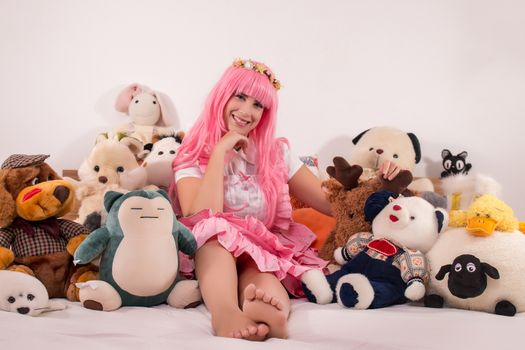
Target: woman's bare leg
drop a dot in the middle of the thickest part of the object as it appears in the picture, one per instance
(264, 299)
(216, 272)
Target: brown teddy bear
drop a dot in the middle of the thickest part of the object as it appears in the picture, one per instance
(32, 197)
(348, 197)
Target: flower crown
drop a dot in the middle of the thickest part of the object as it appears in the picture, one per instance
(260, 68)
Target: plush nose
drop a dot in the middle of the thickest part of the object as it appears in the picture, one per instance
(61, 193)
(379, 151)
(103, 179)
(23, 310)
(396, 207)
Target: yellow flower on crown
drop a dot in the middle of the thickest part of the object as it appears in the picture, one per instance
(260, 68)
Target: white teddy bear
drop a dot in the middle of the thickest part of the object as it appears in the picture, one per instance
(388, 266)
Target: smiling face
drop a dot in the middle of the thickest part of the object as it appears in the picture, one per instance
(242, 113)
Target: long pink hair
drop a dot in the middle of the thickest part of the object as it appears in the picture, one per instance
(210, 127)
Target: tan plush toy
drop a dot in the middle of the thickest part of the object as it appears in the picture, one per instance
(32, 198)
(348, 196)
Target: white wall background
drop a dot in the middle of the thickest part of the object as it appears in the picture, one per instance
(451, 71)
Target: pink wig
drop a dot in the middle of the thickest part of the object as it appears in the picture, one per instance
(210, 127)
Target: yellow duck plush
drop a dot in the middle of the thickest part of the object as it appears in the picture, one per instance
(485, 215)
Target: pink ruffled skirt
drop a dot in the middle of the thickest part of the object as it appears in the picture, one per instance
(286, 254)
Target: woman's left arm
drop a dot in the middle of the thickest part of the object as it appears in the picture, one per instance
(306, 187)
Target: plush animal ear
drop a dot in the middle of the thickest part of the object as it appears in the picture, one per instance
(179, 136)
(109, 199)
(126, 96)
(7, 202)
(417, 146)
(168, 112)
(358, 137)
(441, 218)
(443, 271)
(148, 147)
(463, 154)
(490, 270)
(377, 202)
(102, 137)
(134, 145)
(445, 153)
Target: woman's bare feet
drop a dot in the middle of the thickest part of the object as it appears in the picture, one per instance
(262, 307)
(239, 325)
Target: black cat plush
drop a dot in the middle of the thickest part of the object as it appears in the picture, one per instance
(454, 164)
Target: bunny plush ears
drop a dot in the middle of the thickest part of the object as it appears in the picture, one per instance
(168, 113)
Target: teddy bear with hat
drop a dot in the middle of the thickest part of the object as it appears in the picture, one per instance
(32, 235)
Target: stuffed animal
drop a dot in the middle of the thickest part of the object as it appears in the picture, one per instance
(374, 146)
(110, 166)
(32, 199)
(461, 190)
(159, 159)
(480, 266)
(454, 164)
(24, 294)
(140, 224)
(387, 266)
(348, 194)
(151, 112)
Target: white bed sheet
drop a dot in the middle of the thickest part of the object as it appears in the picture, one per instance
(311, 327)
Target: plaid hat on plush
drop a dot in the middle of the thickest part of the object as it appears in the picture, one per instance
(23, 160)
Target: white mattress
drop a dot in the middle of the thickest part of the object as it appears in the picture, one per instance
(311, 327)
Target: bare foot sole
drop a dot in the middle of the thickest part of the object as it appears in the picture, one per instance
(262, 307)
(240, 326)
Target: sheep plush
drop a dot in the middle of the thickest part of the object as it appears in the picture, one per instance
(140, 224)
(387, 266)
(24, 294)
(110, 166)
(495, 284)
(151, 112)
(374, 146)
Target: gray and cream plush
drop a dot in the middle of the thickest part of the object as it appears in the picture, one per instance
(139, 249)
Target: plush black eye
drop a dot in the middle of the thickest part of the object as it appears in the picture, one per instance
(351, 215)
(487, 216)
(50, 178)
(371, 149)
(136, 101)
(11, 300)
(412, 218)
(478, 215)
(457, 267)
(30, 297)
(154, 102)
(471, 267)
(460, 165)
(396, 156)
(35, 181)
(120, 169)
(161, 153)
(96, 168)
(172, 152)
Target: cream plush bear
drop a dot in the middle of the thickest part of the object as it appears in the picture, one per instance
(152, 113)
(111, 165)
(376, 145)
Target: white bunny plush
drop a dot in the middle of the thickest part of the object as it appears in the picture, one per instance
(152, 113)
(24, 294)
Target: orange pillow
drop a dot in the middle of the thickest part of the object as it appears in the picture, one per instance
(317, 222)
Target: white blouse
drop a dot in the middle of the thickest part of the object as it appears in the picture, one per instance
(242, 194)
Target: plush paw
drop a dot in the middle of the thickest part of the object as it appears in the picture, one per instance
(415, 291)
(21, 268)
(316, 287)
(6, 258)
(73, 244)
(354, 290)
(98, 295)
(434, 301)
(505, 308)
(186, 294)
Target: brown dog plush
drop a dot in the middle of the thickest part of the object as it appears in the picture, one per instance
(348, 197)
(32, 197)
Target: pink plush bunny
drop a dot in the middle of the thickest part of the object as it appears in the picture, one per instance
(152, 113)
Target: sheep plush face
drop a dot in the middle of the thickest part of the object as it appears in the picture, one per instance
(113, 162)
(377, 145)
(24, 294)
(409, 222)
